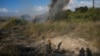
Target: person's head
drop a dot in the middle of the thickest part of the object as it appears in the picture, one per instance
(82, 48)
(49, 41)
(87, 49)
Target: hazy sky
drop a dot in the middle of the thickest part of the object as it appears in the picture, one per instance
(36, 7)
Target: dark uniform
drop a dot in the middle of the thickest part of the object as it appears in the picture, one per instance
(82, 52)
(49, 48)
(88, 52)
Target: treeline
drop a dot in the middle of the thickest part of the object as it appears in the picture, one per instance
(80, 14)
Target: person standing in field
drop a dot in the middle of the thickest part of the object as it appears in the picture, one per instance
(82, 52)
(88, 52)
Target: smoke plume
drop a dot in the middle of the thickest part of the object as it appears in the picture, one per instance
(56, 6)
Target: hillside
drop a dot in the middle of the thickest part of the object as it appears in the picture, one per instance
(23, 38)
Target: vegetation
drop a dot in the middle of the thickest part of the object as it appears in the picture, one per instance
(82, 24)
(80, 15)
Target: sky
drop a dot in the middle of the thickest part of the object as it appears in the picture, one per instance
(36, 7)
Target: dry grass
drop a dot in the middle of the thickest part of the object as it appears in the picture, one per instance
(89, 31)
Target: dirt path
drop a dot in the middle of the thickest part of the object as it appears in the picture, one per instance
(73, 44)
(68, 43)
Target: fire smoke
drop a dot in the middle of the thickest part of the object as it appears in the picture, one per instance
(56, 6)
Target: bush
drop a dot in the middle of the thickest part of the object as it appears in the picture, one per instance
(79, 15)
